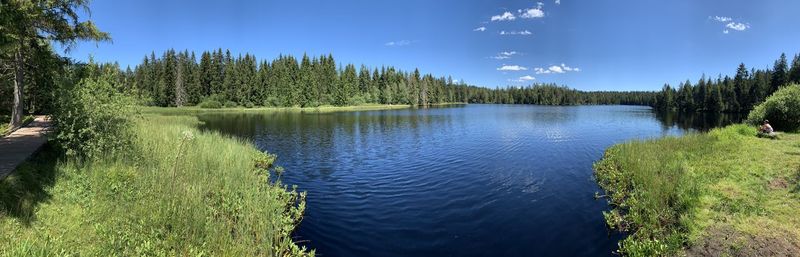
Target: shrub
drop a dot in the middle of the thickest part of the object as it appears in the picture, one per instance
(231, 104)
(272, 102)
(248, 104)
(356, 100)
(782, 109)
(210, 104)
(94, 118)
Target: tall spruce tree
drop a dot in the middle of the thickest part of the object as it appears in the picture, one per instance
(780, 74)
(794, 72)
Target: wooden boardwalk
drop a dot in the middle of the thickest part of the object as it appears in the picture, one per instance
(22, 144)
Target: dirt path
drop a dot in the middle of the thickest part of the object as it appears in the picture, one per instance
(20, 145)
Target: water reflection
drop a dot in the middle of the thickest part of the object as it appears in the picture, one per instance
(698, 121)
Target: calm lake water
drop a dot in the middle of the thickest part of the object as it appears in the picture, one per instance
(474, 180)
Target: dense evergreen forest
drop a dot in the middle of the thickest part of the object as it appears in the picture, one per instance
(179, 79)
(182, 79)
(725, 94)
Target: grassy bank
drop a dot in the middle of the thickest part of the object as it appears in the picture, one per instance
(722, 193)
(179, 192)
(321, 109)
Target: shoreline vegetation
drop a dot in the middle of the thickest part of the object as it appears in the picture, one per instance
(320, 109)
(722, 193)
(179, 192)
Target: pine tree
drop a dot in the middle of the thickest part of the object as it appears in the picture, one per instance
(307, 83)
(179, 87)
(348, 85)
(742, 88)
(207, 73)
(780, 74)
(794, 72)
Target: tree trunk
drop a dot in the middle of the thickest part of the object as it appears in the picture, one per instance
(18, 108)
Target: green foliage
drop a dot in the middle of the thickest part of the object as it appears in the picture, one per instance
(27, 29)
(231, 104)
(782, 109)
(738, 94)
(248, 104)
(5, 126)
(182, 192)
(316, 81)
(210, 104)
(356, 100)
(665, 193)
(272, 102)
(94, 117)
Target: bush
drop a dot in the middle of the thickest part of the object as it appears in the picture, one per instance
(231, 104)
(248, 104)
(94, 118)
(782, 109)
(210, 104)
(272, 102)
(356, 100)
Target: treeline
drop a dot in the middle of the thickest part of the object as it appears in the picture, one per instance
(725, 94)
(180, 79)
(551, 94)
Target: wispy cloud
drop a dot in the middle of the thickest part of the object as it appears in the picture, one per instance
(730, 24)
(563, 68)
(504, 55)
(481, 29)
(531, 13)
(522, 79)
(721, 18)
(737, 26)
(506, 16)
(558, 1)
(399, 43)
(512, 68)
(515, 32)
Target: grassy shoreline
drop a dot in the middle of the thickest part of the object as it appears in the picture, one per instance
(725, 192)
(179, 192)
(321, 109)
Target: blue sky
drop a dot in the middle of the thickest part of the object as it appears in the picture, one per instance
(584, 44)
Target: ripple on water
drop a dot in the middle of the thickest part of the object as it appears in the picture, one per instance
(480, 180)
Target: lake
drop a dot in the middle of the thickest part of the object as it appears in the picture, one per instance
(470, 180)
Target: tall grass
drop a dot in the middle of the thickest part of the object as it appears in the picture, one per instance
(180, 193)
(666, 193)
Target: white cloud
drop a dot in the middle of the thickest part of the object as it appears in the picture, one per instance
(514, 32)
(558, 1)
(730, 24)
(737, 26)
(522, 79)
(512, 68)
(399, 43)
(481, 29)
(504, 55)
(532, 12)
(506, 16)
(563, 68)
(721, 18)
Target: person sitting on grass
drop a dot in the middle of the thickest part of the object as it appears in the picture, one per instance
(766, 130)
